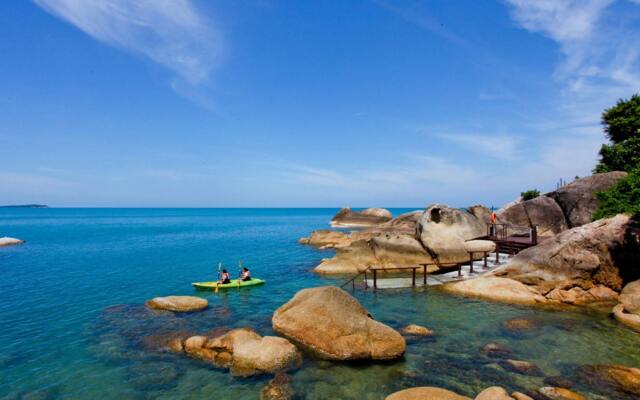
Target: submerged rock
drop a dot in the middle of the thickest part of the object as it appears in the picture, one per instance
(178, 303)
(521, 367)
(578, 199)
(332, 324)
(279, 388)
(426, 393)
(9, 241)
(416, 330)
(443, 230)
(521, 324)
(244, 352)
(495, 350)
(368, 217)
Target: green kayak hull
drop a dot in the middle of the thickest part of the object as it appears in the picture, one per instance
(235, 284)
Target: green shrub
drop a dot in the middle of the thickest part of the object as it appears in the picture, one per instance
(530, 194)
(623, 197)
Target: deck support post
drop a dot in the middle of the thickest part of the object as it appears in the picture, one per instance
(470, 262)
(375, 279)
(485, 260)
(413, 277)
(424, 276)
(497, 254)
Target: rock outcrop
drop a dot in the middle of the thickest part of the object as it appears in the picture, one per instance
(612, 377)
(583, 265)
(495, 288)
(443, 230)
(424, 393)
(369, 217)
(9, 241)
(244, 352)
(384, 250)
(178, 303)
(541, 211)
(332, 324)
(578, 199)
(406, 222)
(628, 310)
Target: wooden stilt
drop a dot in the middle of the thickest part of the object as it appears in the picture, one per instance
(485, 260)
(424, 276)
(470, 262)
(413, 277)
(375, 279)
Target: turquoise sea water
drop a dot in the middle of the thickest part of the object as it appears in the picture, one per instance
(73, 324)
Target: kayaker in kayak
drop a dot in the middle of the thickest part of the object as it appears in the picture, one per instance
(224, 278)
(246, 275)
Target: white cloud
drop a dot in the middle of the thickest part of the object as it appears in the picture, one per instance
(498, 146)
(172, 33)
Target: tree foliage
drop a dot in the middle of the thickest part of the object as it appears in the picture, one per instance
(622, 125)
(623, 197)
(530, 194)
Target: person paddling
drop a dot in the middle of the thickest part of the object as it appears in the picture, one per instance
(224, 278)
(246, 275)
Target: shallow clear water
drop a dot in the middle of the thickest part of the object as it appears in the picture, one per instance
(73, 324)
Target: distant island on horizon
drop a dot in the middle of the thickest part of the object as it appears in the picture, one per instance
(25, 206)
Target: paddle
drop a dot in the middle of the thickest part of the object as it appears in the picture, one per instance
(218, 283)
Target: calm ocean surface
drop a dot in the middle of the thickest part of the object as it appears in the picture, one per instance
(73, 324)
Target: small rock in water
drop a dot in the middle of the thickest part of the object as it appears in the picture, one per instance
(178, 303)
(521, 367)
(153, 375)
(495, 350)
(416, 330)
(557, 393)
(279, 388)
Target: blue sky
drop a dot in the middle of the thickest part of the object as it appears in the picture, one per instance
(296, 103)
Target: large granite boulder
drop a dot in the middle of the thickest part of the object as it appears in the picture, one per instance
(328, 239)
(369, 217)
(406, 222)
(9, 241)
(443, 231)
(387, 250)
(426, 393)
(481, 212)
(494, 393)
(332, 324)
(244, 352)
(582, 265)
(178, 303)
(541, 211)
(578, 199)
(628, 310)
(497, 289)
